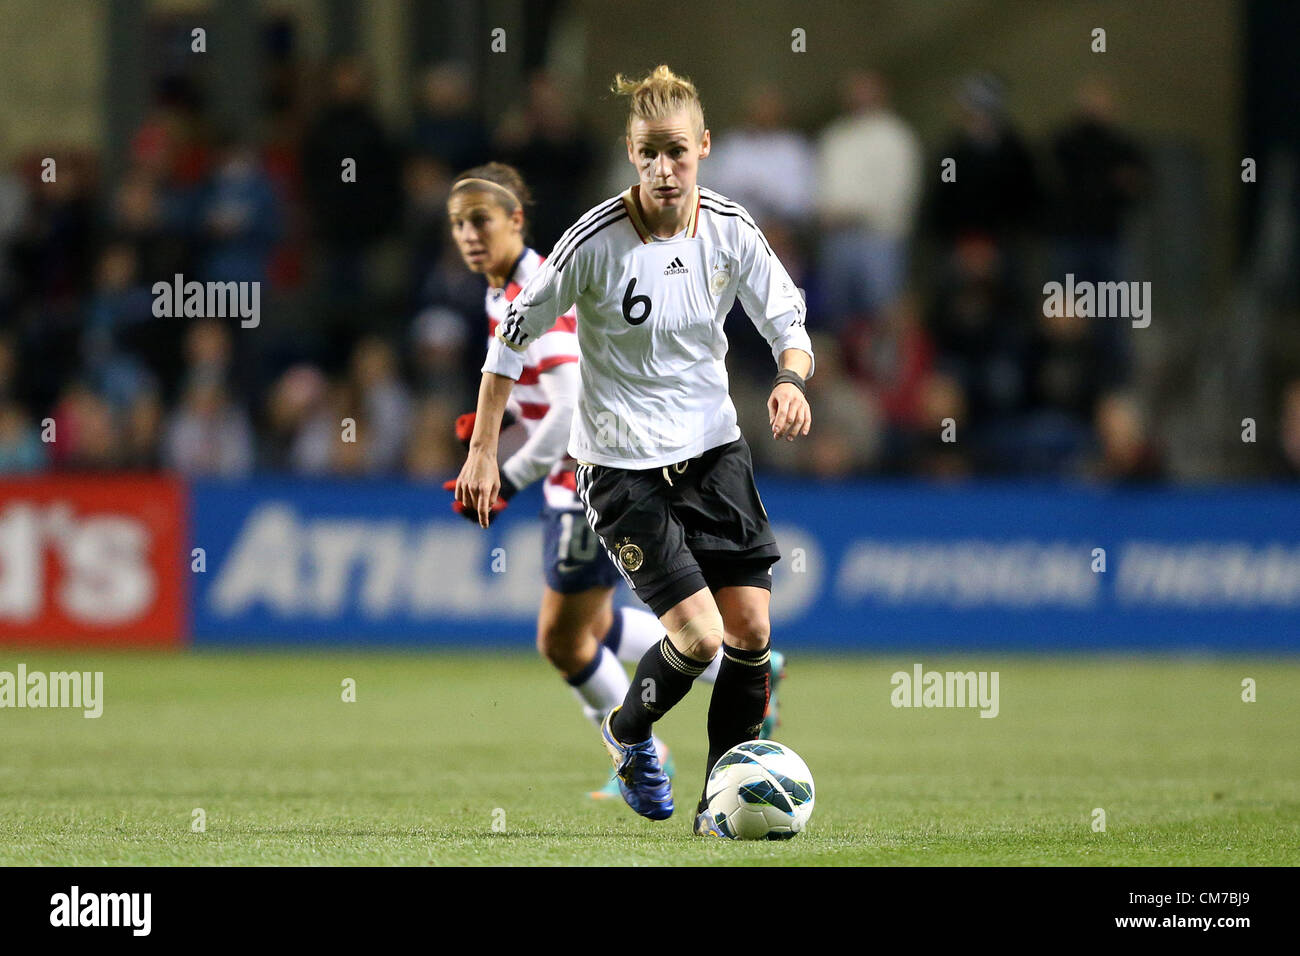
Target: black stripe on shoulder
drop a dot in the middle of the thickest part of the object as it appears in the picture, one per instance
(599, 227)
(561, 256)
(722, 201)
(593, 213)
(743, 218)
(715, 196)
(590, 216)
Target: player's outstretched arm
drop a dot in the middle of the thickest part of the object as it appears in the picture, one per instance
(549, 441)
(787, 407)
(480, 481)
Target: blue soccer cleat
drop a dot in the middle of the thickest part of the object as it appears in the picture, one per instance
(641, 780)
(771, 719)
(610, 790)
(707, 826)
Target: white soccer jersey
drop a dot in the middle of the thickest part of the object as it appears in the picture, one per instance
(529, 401)
(650, 316)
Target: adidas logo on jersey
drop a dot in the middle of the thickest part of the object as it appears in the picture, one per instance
(676, 268)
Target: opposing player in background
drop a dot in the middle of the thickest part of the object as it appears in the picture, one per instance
(578, 629)
(664, 473)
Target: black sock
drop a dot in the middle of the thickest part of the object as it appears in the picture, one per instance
(739, 701)
(663, 676)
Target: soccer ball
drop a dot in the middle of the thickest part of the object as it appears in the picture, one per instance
(760, 790)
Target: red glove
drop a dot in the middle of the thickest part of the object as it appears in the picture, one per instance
(465, 425)
(497, 507)
(464, 430)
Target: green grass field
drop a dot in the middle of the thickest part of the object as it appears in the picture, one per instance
(438, 747)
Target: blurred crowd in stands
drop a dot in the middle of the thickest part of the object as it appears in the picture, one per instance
(924, 295)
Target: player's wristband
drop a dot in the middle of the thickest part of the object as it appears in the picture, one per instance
(791, 376)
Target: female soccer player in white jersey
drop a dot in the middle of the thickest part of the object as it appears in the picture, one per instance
(578, 629)
(664, 473)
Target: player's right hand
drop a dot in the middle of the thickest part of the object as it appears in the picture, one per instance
(478, 485)
(498, 507)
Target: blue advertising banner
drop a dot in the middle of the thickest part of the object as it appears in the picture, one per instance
(867, 566)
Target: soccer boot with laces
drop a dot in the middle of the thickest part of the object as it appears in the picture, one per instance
(641, 779)
(610, 790)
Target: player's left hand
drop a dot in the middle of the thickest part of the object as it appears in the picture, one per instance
(788, 412)
(470, 514)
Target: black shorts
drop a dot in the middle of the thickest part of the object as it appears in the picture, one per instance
(672, 531)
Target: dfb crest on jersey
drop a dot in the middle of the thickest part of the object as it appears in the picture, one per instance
(721, 274)
(630, 556)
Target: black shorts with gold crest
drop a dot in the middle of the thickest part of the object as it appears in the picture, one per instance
(674, 530)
